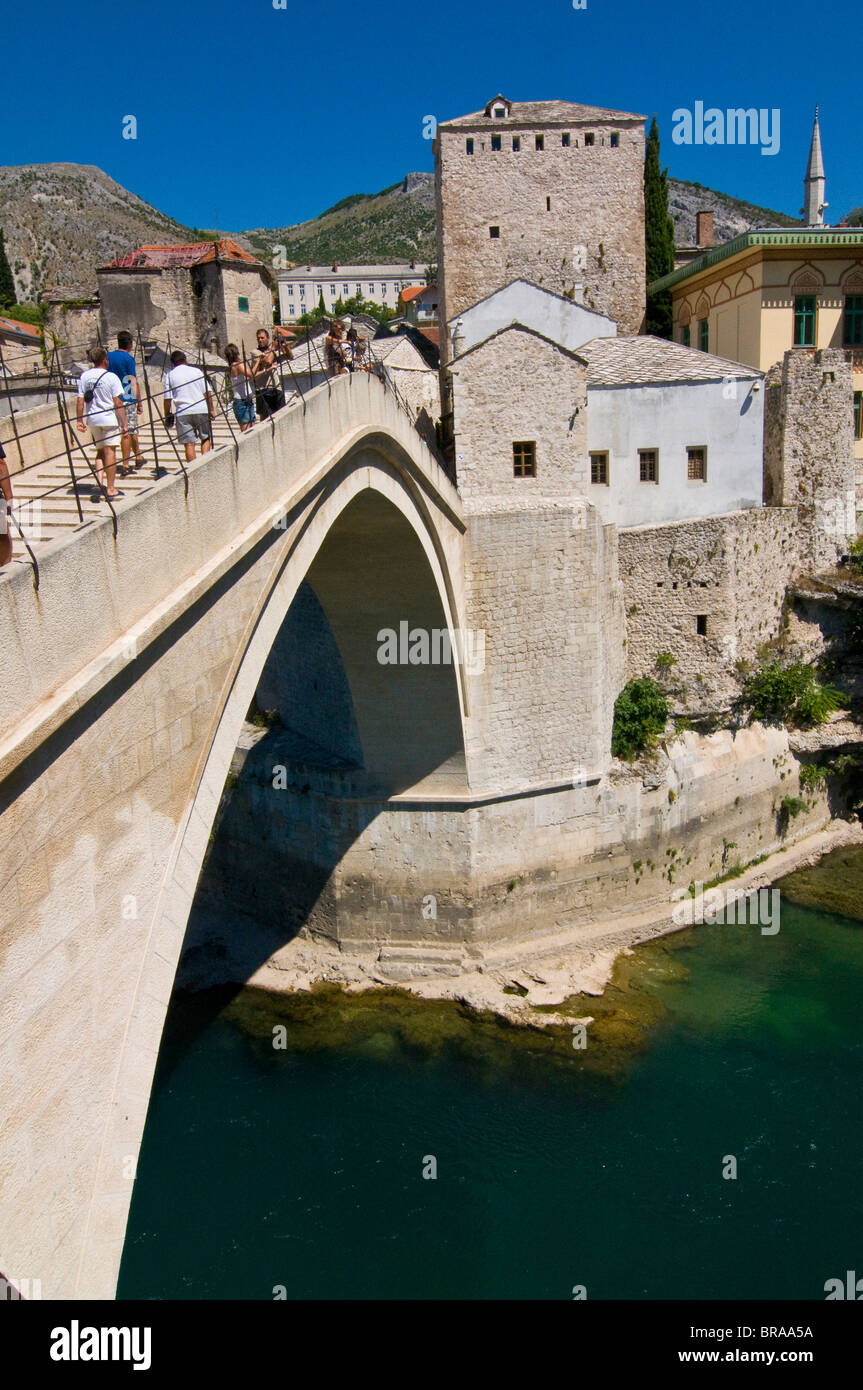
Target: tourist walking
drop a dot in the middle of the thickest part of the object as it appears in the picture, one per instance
(334, 350)
(243, 384)
(5, 509)
(268, 394)
(100, 392)
(189, 400)
(122, 364)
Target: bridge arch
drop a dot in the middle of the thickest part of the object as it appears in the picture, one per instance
(129, 756)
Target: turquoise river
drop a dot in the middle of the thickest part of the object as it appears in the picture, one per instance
(298, 1172)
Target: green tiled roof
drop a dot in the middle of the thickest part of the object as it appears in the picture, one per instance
(788, 236)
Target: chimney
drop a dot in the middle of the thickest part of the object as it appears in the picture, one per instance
(335, 265)
(413, 265)
(704, 235)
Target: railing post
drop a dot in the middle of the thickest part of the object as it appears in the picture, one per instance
(69, 458)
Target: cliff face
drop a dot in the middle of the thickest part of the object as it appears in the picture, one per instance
(61, 221)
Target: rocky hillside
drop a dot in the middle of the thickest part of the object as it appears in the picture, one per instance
(63, 220)
(731, 216)
(60, 221)
(395, 225)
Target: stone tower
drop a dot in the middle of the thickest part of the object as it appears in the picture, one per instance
(549, 191)
(814, 182)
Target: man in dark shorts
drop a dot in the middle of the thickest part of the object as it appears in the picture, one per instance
(269, 396)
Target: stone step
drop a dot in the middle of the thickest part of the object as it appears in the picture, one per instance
(416, 962)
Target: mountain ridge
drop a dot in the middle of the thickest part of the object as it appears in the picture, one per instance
(62, 220)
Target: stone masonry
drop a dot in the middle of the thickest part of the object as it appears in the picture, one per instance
(809, 450)
(568, 214)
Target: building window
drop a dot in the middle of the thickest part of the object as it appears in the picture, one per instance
(372, 288)
(302, 291)
(615, 139)
(703, 334)
(685, 335)
(319, 289)
(804, 320)
(494, 232)
(359, 290)
(333, 291)
(548, 204)
(242, 303)
(540, 142)
(524, 459)
(696, 464)
(291, 309)
(648, 465)
(468, 145)
(852, 335)
(499, 112)
(495, 142)
(290, 289)
(516, 143)
(588, 137)
(858, 414)
(599, 469)
(701, 624)
(564, 139)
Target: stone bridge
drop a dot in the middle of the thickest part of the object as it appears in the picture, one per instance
(124, 684)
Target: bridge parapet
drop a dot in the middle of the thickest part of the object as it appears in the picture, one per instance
(96, 588)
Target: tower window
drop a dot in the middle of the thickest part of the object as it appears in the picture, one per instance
(685, 335)
(548, 204)
(494, 233)
(540, 142)
(468, 145)
(701, 624)
(243, 303)
(696, 464)
(516, 143)
(858, 414)
(495, 142)
(852, 331)
(703, 334)
(648, 465)
(524, 458)
(588, 137)
(499, 111)
(804, 320)
(599, 469)
(615, 139)
(564, 139)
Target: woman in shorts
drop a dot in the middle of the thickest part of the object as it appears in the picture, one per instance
(243, 384)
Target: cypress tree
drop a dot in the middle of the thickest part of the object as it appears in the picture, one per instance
(659, 236)
(7, 284)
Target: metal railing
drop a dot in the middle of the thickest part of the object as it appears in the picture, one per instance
(72, 453)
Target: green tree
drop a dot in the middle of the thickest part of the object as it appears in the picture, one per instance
(7, 283)
(658, 236)
(855, 217)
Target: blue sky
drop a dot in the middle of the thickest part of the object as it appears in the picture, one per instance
(249, 115)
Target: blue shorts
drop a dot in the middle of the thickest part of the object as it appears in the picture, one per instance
(244, 410)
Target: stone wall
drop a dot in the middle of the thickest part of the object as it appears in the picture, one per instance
(596, 202)
(809, 450)
(76, 327)
(518, 386)
(198, 307)
(731, 570)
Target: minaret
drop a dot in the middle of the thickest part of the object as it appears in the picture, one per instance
(813, 184)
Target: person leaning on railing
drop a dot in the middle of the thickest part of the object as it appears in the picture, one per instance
(5, 509)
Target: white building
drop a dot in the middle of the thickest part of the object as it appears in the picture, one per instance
(300, 289)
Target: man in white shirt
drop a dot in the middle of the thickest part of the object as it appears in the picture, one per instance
(102, 394)
(188, 392)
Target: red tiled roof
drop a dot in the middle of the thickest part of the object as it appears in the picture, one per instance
(15, 326)
(196, 253)
(411, 293)
(433, 335)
